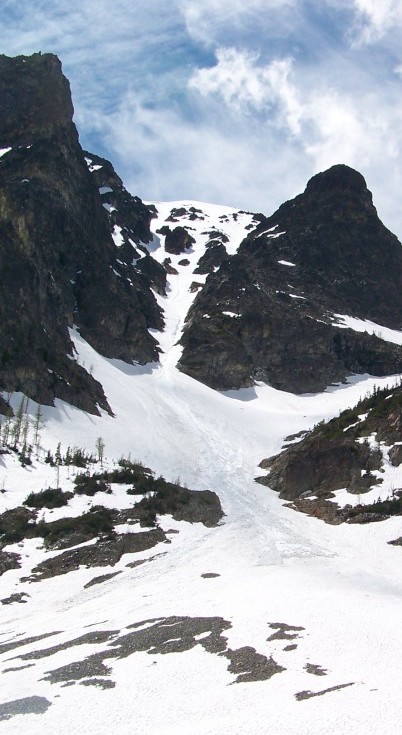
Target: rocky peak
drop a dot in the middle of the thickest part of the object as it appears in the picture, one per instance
(270, 310)
(59, 263)
(35, 99)
(343, 254)
(338, 181)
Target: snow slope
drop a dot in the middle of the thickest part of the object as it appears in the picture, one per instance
(338, 589)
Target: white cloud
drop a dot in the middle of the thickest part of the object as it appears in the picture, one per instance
(103, 46)
(328, 124)
(317, 124)
(375, 18)
(349, 131)
(164, 156)
(208, 20)
(242, 83)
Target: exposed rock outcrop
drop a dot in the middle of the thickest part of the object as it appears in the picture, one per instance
(59, 265)
(104, 553)
(320, 467)
(268, 313)
(349, 453)
(177, 240)
(8, 560)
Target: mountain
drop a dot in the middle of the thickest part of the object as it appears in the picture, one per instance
(59, 264)
(148, 583)
(77, 250)
(272, 311)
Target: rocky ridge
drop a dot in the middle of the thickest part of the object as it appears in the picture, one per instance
(268, 313)
(59, 263)
(77, 550)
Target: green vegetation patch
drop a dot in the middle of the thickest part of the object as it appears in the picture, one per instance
(52, 497)
(86, 484)
(384, 508)
(98, 520)
(126, 473)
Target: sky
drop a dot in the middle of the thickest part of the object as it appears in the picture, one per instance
(229, 101)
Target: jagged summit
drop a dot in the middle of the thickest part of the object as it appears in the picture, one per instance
(344, 256)
(339, 178)
(323, 253)
(59, 264)
(334, 193)
(35, 99)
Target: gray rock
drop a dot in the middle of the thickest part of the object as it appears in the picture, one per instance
(25, 706)
(104, 553)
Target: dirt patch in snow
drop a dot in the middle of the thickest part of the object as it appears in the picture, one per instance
(308, 695)
(26, 706)
(284, 632)
(315, 669)
(100, 579)
(17, 643)
(160, 636)
(104, 553)
(16, 597)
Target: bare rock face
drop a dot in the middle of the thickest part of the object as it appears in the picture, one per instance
(35, 97)
(268, 312)
(177, 240)
(341, 454)
(8, 560)
(212, 258)
(320, 467)
(58, 260)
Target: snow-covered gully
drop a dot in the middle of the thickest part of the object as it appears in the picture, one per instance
(271, 622)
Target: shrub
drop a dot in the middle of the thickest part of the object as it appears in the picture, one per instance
(167, 497)
(98, 520)
(143, 484)
(128, 473)
(91, 484)
(148, 517)
(389, 507)
(80, 458)
(52, 497)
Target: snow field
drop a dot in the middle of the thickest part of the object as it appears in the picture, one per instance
(341, 584)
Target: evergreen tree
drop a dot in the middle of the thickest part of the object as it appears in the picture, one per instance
(25, 430)
(49, 458)
(6, 425)
(67, 461)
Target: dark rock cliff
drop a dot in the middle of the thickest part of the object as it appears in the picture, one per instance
(59, 265)
(268, 312)
(351, 451)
